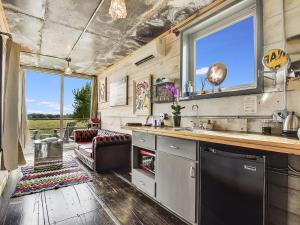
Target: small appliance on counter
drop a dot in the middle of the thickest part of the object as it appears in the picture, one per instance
(162, 118)
(290, 125)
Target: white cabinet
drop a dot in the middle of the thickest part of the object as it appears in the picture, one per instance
(176, 178)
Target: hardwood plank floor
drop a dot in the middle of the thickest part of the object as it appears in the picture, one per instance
(107, 200)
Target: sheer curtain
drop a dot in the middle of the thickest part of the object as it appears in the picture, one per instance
(12, 151)
(25, 143)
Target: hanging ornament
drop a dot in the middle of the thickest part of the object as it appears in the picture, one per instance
(117, 9)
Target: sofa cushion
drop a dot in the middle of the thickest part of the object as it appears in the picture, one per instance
(86, 149)
(77, 144)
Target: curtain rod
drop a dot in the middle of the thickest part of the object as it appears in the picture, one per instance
(6, 34)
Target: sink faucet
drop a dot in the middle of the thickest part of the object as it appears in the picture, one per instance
(195, 107)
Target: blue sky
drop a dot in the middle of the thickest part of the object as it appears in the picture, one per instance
(234, 47)
(43, 92)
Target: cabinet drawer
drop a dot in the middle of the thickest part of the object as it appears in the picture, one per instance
(176, 146)
(143, 140)
(144, 182)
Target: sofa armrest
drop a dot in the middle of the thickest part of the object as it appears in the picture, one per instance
(112, 152)
(85, 135)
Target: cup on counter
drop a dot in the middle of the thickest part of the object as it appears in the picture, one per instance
(298, 133)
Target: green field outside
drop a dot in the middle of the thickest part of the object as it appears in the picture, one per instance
(46, 126)
(52, 124)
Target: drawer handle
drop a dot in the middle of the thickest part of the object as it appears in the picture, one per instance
(142, 140)
(174, 147)
(193, 171)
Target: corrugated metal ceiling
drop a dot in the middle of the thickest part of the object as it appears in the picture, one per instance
(52, 27)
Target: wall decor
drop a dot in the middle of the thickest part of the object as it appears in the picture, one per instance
(275, 59)
(103, 90)
(160, 94)
(142, 96)
(118, 92)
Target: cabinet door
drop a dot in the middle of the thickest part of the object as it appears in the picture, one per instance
(176, 184)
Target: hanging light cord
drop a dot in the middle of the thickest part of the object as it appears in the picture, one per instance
(86, 27)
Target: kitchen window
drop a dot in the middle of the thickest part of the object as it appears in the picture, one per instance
(231, 37)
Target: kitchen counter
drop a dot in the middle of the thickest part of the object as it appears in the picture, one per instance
(247, 140)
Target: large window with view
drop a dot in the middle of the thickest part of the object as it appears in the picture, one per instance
(56, 105)
(222, 54)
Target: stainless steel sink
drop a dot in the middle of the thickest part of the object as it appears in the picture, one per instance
(193, 129)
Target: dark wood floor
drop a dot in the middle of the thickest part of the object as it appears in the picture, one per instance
(106, 200)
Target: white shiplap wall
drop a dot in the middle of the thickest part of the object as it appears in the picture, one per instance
(169, 66)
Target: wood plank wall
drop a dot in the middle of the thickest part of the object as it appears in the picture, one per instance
(169, 66)
(284, 190)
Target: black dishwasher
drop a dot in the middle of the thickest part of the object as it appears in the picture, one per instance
(232, 187)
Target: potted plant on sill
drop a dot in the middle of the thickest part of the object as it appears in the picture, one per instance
(175, 106)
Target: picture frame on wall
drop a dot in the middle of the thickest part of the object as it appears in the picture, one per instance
(142, 96)
(103, 90)
(118, 92)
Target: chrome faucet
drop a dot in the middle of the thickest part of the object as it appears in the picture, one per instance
(198, 124)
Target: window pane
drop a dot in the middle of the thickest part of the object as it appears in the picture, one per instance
(234, 46)
(76, 109)
(43, 103)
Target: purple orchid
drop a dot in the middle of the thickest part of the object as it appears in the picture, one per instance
(172, 90)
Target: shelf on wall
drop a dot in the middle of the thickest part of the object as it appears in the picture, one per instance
(160, 94)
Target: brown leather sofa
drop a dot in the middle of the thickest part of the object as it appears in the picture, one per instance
(103, 150)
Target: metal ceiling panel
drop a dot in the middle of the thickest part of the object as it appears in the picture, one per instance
(104, 25)
(88, 48)
(25, 30)
(35, 8)
(29, 59)
(52, 27)
(58, 39)
(71, 13)
(52, 63)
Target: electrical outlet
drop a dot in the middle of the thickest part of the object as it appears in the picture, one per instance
(279, 116)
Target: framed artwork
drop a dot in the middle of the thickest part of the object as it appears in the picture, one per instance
(118, 92)
(142, 96)
(103, 90)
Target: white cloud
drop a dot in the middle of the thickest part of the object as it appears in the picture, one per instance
(30, 100)
(202, 71)
(49, 107)
(52, 105)
(34, 111)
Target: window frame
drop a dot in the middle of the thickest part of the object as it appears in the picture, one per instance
(214, 23)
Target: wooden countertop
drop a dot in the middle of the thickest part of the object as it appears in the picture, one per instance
(247, 140)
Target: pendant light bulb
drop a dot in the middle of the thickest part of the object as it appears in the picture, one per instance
(68, 70)
(118, 9)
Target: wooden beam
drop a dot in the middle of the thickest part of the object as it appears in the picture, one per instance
(58, 72)
(3, 22)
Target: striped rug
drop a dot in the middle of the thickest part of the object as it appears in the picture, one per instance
(50, 175)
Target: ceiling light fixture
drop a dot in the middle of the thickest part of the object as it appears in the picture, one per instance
(118, 9)
(68, 69)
